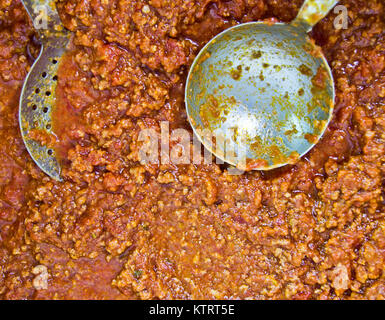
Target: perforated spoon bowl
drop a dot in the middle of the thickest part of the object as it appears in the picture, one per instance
(38, 93)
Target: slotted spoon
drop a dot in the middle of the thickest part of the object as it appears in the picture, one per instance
(38, 93)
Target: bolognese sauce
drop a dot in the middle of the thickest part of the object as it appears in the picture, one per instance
(116, 228)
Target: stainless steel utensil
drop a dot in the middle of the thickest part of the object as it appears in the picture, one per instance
(264, 90)
(38, 94)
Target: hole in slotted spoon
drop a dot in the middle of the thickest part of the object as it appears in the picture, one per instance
(45, 109)
(50, 152)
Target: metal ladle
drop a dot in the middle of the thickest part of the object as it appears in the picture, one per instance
(260, 95)
(38, 93)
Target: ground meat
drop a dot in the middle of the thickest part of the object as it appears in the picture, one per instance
(40, 282)
(116, 228)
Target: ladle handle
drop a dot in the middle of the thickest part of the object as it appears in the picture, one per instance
(312, 12)
(45, 17)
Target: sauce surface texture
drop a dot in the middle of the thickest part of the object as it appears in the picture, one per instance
(117, 229)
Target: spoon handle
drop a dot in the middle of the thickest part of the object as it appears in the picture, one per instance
(312, 12)
(45, 17)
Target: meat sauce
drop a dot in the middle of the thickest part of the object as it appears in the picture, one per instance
(119, 229)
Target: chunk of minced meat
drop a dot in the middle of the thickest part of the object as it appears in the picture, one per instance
(340, 278)
(40, 282)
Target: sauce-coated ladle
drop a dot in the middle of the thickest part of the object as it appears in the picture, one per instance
(263, 90)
